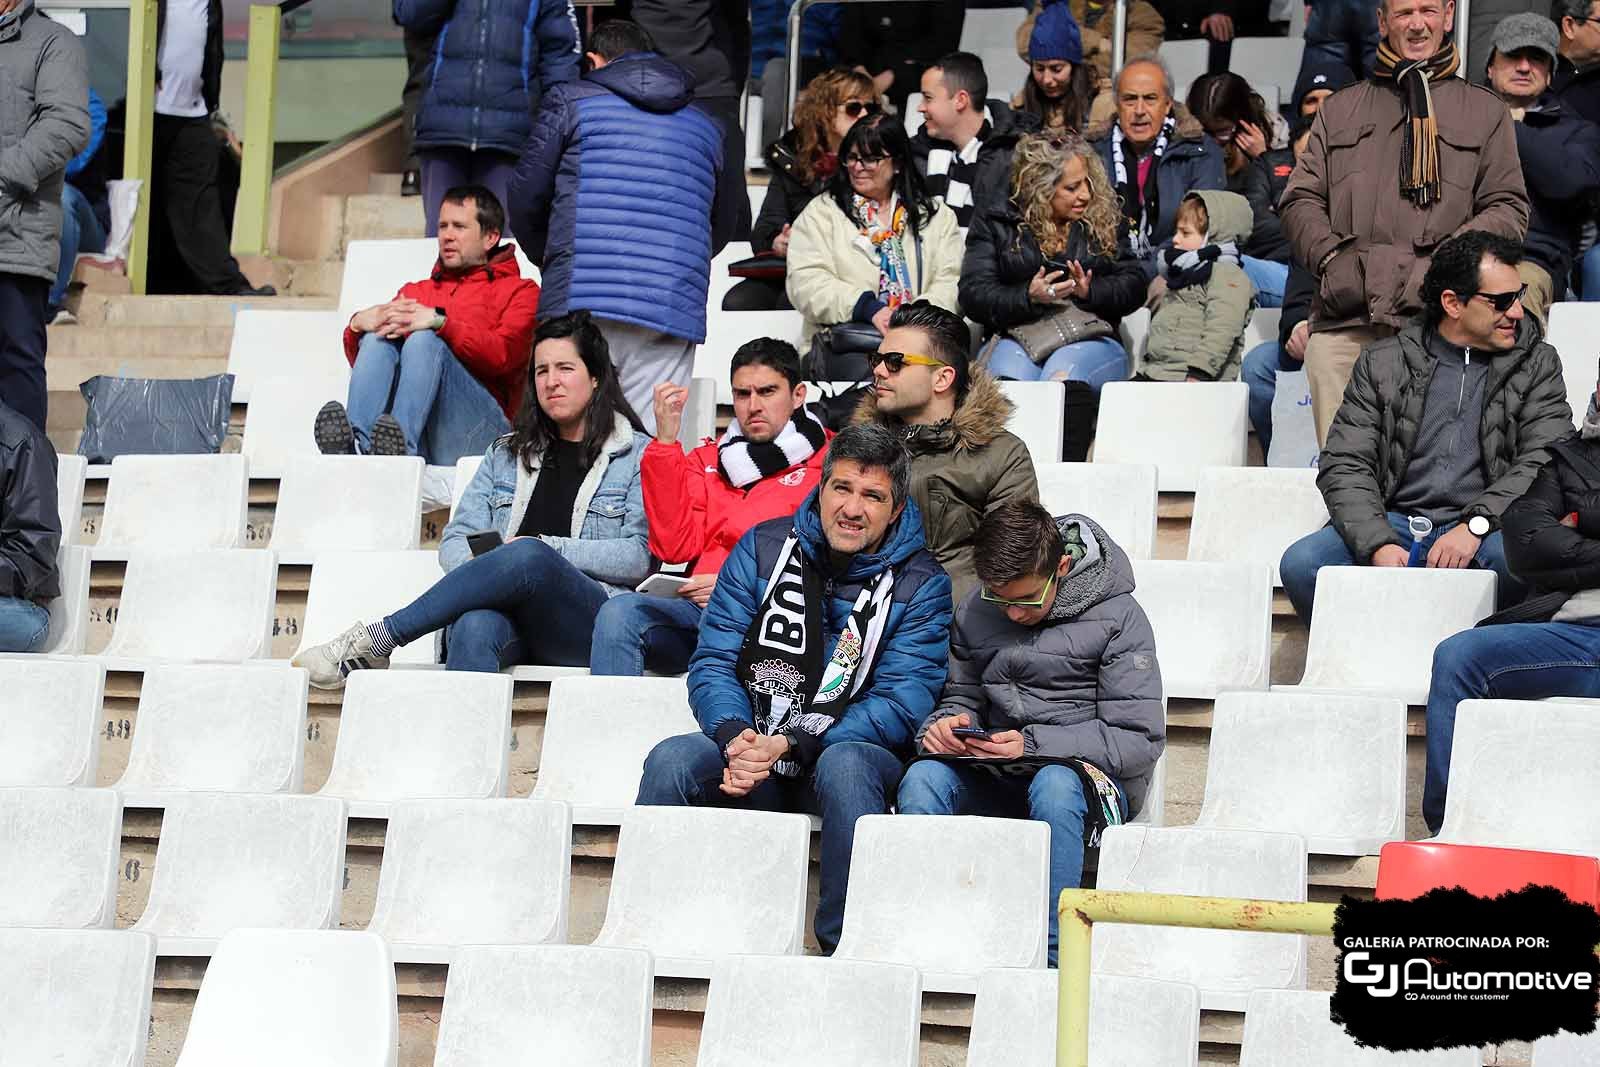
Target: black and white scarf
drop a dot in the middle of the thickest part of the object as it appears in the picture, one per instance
(792, 690)
(1194, 268)
(1126, 179)
(743, 462)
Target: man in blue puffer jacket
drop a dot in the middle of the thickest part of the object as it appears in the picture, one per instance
(823, 647)
(492, 61)
(613, 199)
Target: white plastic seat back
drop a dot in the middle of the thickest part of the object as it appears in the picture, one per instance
(278, 424)
(212, 728)
(1187, 60)
(70, 471)
(1181, 427)
(211, 606)
(844, 1013)
(349, 503)
(466, 470)
(1549, 750)
(727, 330)
(75, 996)
(1133, 1022)
(695, 884)
(374, 271)
(1038, 417)
(1374, 629)
(983, 883)
(60, 847)
(412, 734)
(1154, 811)
(1264, 322)
(1567, 1050)
(268, 343)
(235, 861)
(574, 1004)
(1213, 624)
(1251, 514)
(173, 504)
(1225, 964)
(313, 998)
(69, 612)
(699, 414)
(1134, 332)
(49, 719)
(629, 716)
(1573, 328)
(472, 872)
(351, 587)
(719, 280)
(1283, 1026)
(1120, 497)
(1329, 767)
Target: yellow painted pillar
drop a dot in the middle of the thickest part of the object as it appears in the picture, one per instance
(136, 150)
(252, 213)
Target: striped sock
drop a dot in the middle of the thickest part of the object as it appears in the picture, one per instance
(383, 643)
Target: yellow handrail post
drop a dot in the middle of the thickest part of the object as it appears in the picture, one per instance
(261, 87)
(138, 140)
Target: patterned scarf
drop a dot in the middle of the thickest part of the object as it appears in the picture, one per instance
(885, 227)
(1125, 177)
(1419, 158)
(743, 462)
(1194, 268)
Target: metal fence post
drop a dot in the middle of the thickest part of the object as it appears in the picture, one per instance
(1119, 36)
(138, 140)
(261, 85)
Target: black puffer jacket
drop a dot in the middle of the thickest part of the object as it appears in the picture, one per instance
(992, 185)
(788, 192)
(1254, 182)
(1561, 165)
(1369, 444)
(1002, 257)
(30, 525)
(1541, 551)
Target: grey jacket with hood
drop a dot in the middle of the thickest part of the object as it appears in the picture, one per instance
(1084, 683)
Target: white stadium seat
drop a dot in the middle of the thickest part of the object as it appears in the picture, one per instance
(1328, 767)
(282, 412)
(60, 849)
(1283, 1026)
(50, 719)
(347, 503)
(1567, 1050)
(1154, 811)
(1573, 328)
(1251, 514)
(840, 1013)
(70, 471)
(1374, 629)
(1133, 1022)
(983, 883)
(1181, 427)
(1522, 776)
(1133, 333)
(466, 470)
(1038, 417)
(720, 281)
(695, 884)
(286, 345)
(173, 504)
(699, 414)
(727, 330)
(205, 606)
(231, 861)
(374, 271)
(1212, 621)
(913, 115)
(351, 587)
(410, 734)
(313, 998)
(1120, 497)
(221, 729)
(69, 612)
(628, 716)
(571, 1004)
(75, 997)
(472, 872)
(1226, 964)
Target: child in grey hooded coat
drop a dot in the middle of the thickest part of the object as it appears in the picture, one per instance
(1198, 332)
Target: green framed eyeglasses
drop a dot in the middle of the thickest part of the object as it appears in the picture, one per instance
(1037, 602)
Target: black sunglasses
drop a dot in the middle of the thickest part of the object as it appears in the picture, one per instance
(856, 108)
(1502, 302)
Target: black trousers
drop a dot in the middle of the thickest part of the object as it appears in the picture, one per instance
(419, 61)
(189, 245)
(23, 299)
(731, 212)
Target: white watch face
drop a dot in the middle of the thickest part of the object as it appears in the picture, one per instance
(1478, 525)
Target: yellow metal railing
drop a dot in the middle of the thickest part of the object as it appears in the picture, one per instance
(1080, 909)
(253, 210)
(139, 135)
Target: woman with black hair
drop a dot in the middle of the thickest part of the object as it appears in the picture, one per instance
(876, 240)
(562, 493)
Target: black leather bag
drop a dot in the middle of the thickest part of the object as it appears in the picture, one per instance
(839, 355)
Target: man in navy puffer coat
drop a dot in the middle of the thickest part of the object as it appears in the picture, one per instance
(613, 199)
(492, 61)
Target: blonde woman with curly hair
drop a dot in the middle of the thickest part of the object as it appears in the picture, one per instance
(1054, 244)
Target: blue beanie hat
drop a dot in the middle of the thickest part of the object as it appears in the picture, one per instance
(1055, 34)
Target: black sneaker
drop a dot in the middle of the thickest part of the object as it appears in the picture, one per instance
(387, 437)
(411, 183)
(332, 431)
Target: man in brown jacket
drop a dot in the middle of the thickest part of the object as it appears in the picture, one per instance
(1368, 237)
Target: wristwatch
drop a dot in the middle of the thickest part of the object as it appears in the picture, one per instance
(794, 745)
(1478, 526)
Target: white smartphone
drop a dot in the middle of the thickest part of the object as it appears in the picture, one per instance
(663, 584)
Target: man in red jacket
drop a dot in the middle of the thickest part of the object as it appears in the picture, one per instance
(700, 504)
(439, 371)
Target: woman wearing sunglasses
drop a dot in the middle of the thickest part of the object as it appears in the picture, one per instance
(801, 162)
(877, 240)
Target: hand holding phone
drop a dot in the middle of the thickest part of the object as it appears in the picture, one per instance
(479, 543)
(970, 732)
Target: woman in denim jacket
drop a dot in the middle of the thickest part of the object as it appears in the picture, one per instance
(562, 490)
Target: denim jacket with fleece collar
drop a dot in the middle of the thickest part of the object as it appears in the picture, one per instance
(610, 536)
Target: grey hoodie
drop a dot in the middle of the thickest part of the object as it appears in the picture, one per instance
(1085, 682)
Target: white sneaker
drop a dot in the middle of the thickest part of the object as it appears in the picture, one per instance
(329, 663)
(63, 317)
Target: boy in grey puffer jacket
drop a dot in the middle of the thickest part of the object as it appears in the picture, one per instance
(1054, 659)
(1197, 334)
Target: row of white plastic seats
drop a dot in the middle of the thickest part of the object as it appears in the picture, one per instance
(1573, 327)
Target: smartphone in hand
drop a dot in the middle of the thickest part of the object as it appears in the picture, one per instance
(971, 733)
(480, 543)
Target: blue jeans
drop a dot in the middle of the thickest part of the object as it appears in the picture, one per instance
(1269, 278)
(1342, 31)
(80, 232)
(1260, 372)
(1589, 274)
(1516, 661)
(634, 632)
(443, 410)
(851, 779)
(519, 603)
(24, 625)
(1053, 796)
(1096, 362)
(1326, 548)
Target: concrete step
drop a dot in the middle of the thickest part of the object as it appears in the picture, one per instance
(99, 309)
(369, 217)
(143, 342)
